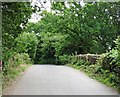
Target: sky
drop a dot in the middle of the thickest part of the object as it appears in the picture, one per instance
(35, 17)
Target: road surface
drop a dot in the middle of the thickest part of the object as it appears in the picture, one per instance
(57, 80)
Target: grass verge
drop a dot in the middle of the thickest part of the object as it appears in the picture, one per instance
(105, 77)
(12, 75)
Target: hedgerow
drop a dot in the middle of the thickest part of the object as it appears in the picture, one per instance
(17, 63)
(106, 69)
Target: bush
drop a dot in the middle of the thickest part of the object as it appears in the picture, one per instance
(117, 42)
(47, 61)
(82, 62)
(106, 69)
(110, 61)
(64, 59)
(15, 61)
(16, 64)
(27, 43)
(18, 59)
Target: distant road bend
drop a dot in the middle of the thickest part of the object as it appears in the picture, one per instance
(57, 80)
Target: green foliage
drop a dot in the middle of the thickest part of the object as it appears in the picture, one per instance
(117, 42)
(70, 28)
(96, 71)
(106, 69)
(17, 63)
(82, 62)
(89, 30)
(50, 46)
(64, 59)
(14, 14)
(111, 61)
(118, 53)
(18, 59)
(27, 43)
(67, 29)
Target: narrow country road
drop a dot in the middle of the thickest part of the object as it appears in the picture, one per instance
(58, 80)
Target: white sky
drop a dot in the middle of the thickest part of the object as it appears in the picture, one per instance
(35, 17)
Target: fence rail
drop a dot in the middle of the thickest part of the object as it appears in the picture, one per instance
(88, 57)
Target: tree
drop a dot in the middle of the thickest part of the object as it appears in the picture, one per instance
(72, 28)
(91, 26)
(27, 43)
(14, 15)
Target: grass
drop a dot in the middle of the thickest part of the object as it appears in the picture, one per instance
(12, 74)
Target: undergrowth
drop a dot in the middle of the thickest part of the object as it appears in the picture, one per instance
(15, 66)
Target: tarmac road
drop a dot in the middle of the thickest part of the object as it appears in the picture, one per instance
(57, 80)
